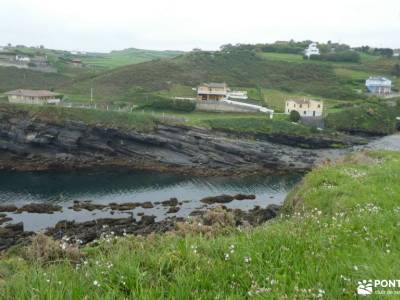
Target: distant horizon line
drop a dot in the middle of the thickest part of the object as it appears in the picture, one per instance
(180, 50)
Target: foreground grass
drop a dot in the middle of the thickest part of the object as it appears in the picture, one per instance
(341, 226)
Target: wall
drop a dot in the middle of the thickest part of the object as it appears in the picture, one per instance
(220, 106)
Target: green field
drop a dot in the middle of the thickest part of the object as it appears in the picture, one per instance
(340, 227)
(125, 57)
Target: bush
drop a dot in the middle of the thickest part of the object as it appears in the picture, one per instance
(294, 116)
(369, 118)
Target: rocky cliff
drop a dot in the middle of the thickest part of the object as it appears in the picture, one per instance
(29, 143)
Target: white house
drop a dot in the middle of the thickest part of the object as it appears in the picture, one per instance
(396, 52)
(237, 95)
(306, 108)
(311, 50)
(33, 97)
(21, 58)
(379, 85)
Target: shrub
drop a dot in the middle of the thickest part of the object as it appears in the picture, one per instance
(369, 118)
(294, 116)
(44, 249)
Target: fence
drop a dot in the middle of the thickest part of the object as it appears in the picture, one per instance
(163, 117)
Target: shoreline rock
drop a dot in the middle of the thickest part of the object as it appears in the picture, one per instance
(86, 232)
(32, 144)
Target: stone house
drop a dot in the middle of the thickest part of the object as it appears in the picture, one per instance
(306, 108)
(33, 97)
(212, 91)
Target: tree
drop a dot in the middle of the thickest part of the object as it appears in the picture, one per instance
(396, 70)
(294, 116)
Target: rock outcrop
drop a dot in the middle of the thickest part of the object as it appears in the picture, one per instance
(29, 143)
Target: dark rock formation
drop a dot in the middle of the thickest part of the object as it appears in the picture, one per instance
(13, 234)
(91, 230)
(8, 208)
(173, 209)
(170, 202)
(244, 197)
(39, 208)
(30, 143)
(217, 199)
(88, 205)
(4, 220)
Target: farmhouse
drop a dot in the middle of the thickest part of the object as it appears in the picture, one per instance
(76, 62)
(212, 91)
(379, 85)
(306, 108)
(33, 97)
(21, 58)
(311, 50)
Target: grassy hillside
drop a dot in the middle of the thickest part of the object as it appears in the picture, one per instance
(237, 68)
(125, 57)
(340, 227)
(12, 78)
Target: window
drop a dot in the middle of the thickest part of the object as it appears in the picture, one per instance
(305, 112)
(319, 106)
(301, 105)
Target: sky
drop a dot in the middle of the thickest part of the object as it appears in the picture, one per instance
(102, 26)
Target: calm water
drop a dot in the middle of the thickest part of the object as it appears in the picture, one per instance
(113, 186)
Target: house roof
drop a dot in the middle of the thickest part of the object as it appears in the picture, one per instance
(32, 93)
(216, 85)
(378, 78)
(303, 101)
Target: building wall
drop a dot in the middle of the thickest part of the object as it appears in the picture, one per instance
(305, 110)
(379, 89)
(220, 106)
(30, 100)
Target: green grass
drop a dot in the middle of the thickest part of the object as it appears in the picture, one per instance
(370, 117)
(124, 120)
(259, 125)
(282, 56)
(12, 78)
(125, 57)
(238, 69)
(341, 227)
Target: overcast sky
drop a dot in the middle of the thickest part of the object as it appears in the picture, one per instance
(99, 25)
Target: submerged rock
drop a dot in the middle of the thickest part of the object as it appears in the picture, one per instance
(87, 205)
(173, 209)
(8, 208)
(170, 202)
(244, 197)
(40, 208)
(124, 206)
(217, 199)
(4, 220)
